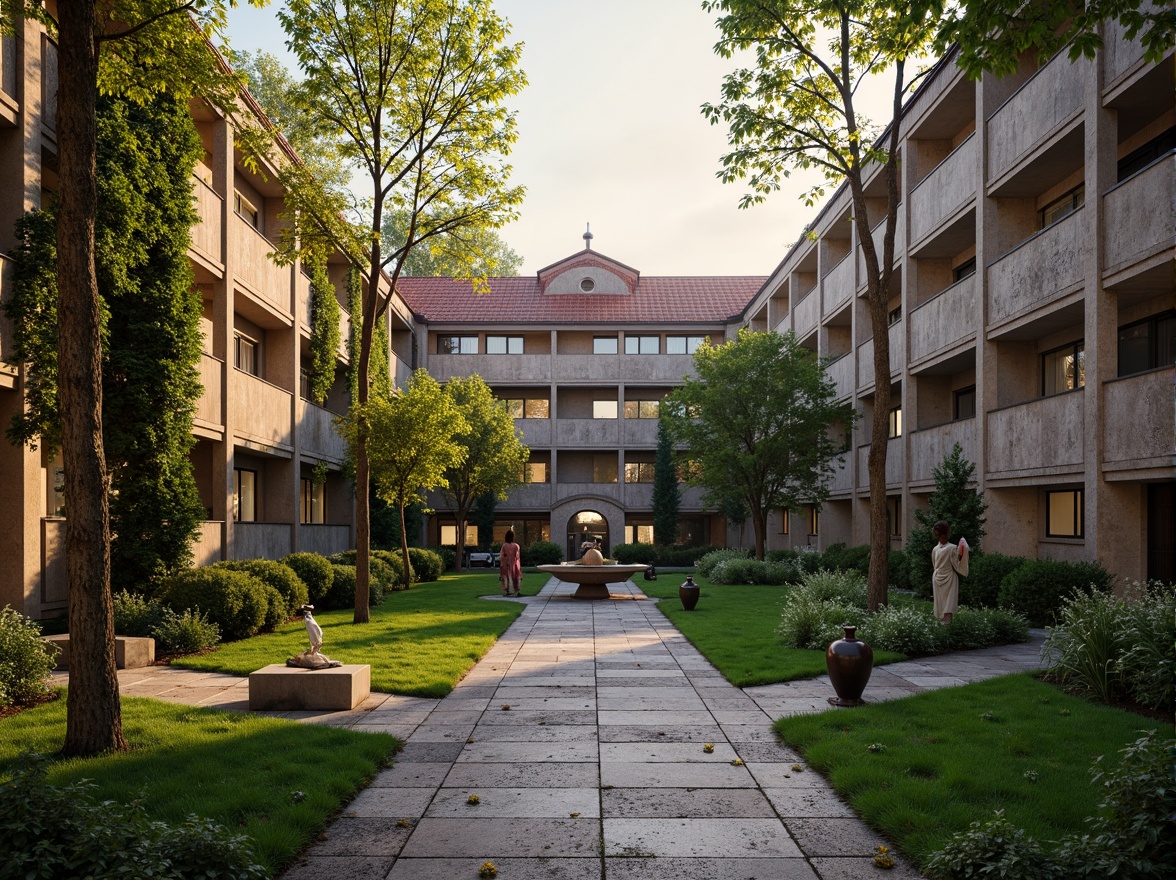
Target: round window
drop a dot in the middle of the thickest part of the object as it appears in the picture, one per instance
(587, 285)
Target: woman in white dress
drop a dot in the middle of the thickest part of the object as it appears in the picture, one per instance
(948, 563)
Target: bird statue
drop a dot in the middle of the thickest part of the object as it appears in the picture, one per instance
(312, 659)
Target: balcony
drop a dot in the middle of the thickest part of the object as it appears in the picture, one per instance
(206, 232)
(841, 482)
(637, 496)
(1037, 111)
(536, 432)
(609, 491)
(1139, 220)
(1036, 438)
(669, 368)
(1119, 55)
(865, 357)
(1137, 422)
(208, 408)
(945, 191)
(838, 286)
(639, 432)
(579, 367)
(1038, 271)
(208, 546)
(260, 411)
(895, 464)
(54, 577)
(945, 321)
(587, 432)
(317, 436)
(805, 314)
(326, 540)
(529, 496)
(841, 372)
(930, 446)
(496, 368)
(251, 540)
(9, 107)
(877, 234)
(250, 252)
(6, 349)
(48, 86)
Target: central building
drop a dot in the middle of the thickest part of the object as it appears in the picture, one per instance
(583, 352)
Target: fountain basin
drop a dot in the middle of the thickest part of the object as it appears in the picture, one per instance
(592, 580)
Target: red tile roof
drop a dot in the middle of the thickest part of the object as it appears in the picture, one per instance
(665, 300)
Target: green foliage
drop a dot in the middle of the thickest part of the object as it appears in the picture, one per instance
(354, 342)
(49, 831)
(342, 592)
(706, 564)
(753, 571)
(1038, 588)
(314, 571)
(278, 575)
(385, 569)
(812, 623)
(838, 557)
(324, 331)
(992, 849)
(236, 601)
(903, 629)
(955, 501)
(756, 422)
(482, 515)
(151, 338)
(541, 553)
(899, 570)
(841, 586)
(380, 370)
(981, 588)
(25, 660)
(634, 554)
(426, 564)
(1118, 647)
(135, 614)
(188, 632)
(480, 254)
(448, 556)
(667, 493)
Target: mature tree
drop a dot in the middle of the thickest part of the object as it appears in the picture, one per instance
(476, 253)
(412, 93)
(495, 458)
(411, 438)
(954, 500)
(482, 517)
(667, 493)
(146, 47)
(324, 331)
(758, 422)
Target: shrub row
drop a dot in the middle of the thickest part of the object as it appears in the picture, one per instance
(655, 554)
(25, 663)
(540, 553)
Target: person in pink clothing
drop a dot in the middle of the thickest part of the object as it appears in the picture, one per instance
(510, 569)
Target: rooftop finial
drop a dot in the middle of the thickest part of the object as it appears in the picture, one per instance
(588, 237)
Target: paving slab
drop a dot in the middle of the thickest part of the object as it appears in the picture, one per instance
(523, 803)
(695, 838)
(495, 838)
(508, 868)
(546, 775)
(681, 803)
(711, 869)
(675, 775)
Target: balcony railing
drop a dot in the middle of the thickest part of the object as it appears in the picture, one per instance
(930, 446)
(1042, 106)
(609, 491)
(316, 432)
(1139, 220)
(251, 262)
(841, 372)
(865, 356)
(639, 432)
(805, 314)
(950, 186)
(208, 546)
(587, 432)
(496, 368)
(575, 367)
(206, 232)
(326, 540)
(838, 286)
(1037, 271)
(842, 479)
(945, 320)
(1041, 436)
(877, 235)
(259, 410)
(250, 540)
(208, 409)
(1119, 55)
(657, 367)
(895, 462)
(530, 496)
(1138, 421)
(6, 275)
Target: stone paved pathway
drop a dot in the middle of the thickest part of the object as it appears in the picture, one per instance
(597, 768)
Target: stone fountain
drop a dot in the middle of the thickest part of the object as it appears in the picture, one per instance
(592, 580)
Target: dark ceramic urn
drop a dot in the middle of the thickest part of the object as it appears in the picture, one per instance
(850, 662)
(688, 593)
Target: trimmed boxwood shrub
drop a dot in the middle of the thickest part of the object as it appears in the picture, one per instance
(342, 593)
(279, 576)
(236, 601)
(314, 570)
(427, 566)
(25, 661)
(1038, 587)
(635, 554)
(184, 633)
(383, 574)
(541, 553)
(392, 573)
(448, 556)
(981, 588)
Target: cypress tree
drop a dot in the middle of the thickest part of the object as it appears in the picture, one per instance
(955, 501)
(667, 494)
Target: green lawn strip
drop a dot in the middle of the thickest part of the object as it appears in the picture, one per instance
(953, 756)
(239, 770)
(735, 628)
(419, 642)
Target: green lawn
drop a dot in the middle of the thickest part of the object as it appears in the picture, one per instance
(239, 770)
(943, 759)
(419, 642)
(735, 627)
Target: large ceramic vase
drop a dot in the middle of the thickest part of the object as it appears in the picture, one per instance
(688, 593)
(850, 662)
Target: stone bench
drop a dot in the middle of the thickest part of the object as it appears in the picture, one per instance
(130, 652)
(281, 688)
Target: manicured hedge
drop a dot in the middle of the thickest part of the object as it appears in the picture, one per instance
(279, 576)
(236, 601)
(314, 570)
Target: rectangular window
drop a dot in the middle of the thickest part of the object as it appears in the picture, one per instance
(457, 345)
(1063, 514)
(894, 316)
(895, 422)
(963, 404)
(604, 345)
(504, 345)
(536, 471)
(639, 472)
(894, 516)
(604, 409)
(683, 344)
(1062, 207)
(304, 383)
(604, 468)
(1137, 160)
(1147, 344)
(246, 210)
(314, 502)
(640, 534)
(246, 353)
(449, 535)
(642, 409)
(642, 345)
(529, 408)
(785, 516)
(814, 518)
(1063, 369)
(964, 269)
(244, 495)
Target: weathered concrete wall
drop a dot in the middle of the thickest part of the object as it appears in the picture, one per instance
(1038, 271)
(945, 321)
(1038, 437)
(1140, 221)
(944, 191)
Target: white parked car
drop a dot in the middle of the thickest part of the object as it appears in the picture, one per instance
(487, 558)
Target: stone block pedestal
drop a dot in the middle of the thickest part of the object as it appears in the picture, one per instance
(281, 688)
(130, 652)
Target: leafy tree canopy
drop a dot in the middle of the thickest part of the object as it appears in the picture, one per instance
(667, 493)
(475, 253)
(758, 421)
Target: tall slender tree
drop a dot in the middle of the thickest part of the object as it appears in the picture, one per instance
(412, 93)
(667, 493)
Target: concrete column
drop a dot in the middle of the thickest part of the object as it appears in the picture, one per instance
(223, 292)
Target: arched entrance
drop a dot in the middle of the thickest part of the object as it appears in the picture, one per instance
(587, 525)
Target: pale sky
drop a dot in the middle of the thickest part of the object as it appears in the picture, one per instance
(610, 133)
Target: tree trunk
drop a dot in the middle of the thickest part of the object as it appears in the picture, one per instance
(460, 531)
(404, 550)
(759, 527)
(93, 712)
(877, 578)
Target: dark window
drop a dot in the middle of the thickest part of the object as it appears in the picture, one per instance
(894, 316)
(1062, 207)
(814, 513)
(247, 355)
(304, 383)
(530, 408)
(1139, 159)
(963, 405)
(244, 495)
(894, 516)
(314, 502)
(604, 467)
(1063, 369)
(785, 515)
(642, 409)
(964, 269)
(457, 345)
(1063, 514)
(1147, 344)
